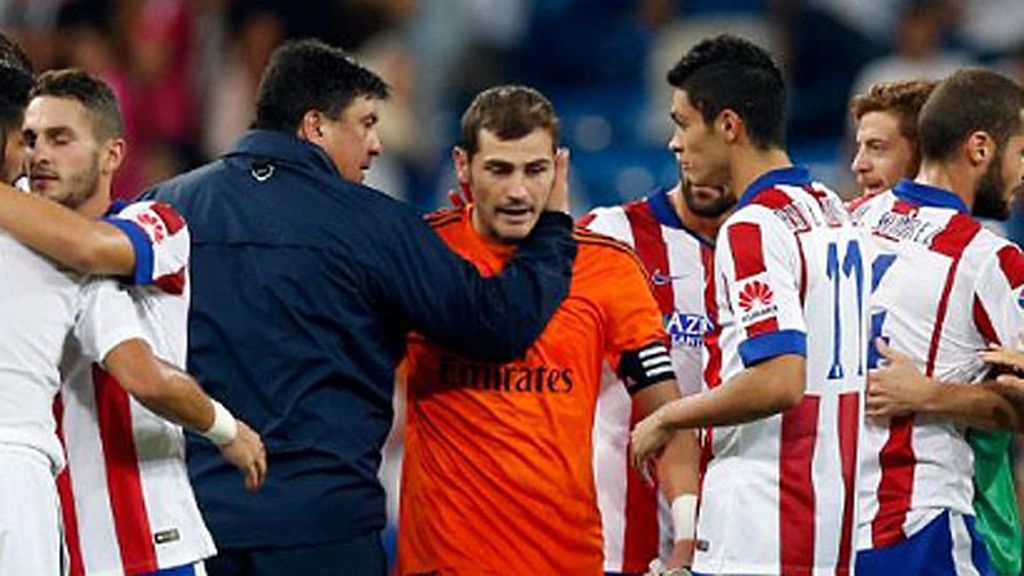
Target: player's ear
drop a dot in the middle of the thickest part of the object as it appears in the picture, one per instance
(113, 155)
(461, 159)
(729, 125)
(980, 149)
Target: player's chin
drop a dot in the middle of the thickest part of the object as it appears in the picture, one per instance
(515, 232)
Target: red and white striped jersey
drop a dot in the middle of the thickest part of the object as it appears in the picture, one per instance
(128, 505)
(944, 287)
(778, 494)
(635, 518)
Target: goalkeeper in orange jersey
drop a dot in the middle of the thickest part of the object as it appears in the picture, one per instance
(498, 473)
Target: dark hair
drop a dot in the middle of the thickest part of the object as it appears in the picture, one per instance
(306, 75)
(16, 79)
(971, 100)
(510, 112)
(94, 94)
(727, 72)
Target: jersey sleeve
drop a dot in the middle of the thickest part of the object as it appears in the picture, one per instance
(759, 260)
(999, 297)
(161, 241)
(106, 317)
(635, 341)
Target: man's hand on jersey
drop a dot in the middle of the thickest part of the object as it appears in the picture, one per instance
(1012, 358)
(647, 440)
(899, 387)
(558, 200)
(247, 453)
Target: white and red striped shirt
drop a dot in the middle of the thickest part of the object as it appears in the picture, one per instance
(635, 519)
(128, 505)
(944, 287)
(778, 494)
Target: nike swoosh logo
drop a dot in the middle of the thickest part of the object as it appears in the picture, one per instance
(658, 278)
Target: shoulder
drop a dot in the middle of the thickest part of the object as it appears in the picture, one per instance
(603, 251)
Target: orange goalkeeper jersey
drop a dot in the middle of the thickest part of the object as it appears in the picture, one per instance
(498, 473)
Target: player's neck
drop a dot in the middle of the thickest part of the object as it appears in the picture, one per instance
(703, 226)
(750, 163)
(97, 204)
(949, 177)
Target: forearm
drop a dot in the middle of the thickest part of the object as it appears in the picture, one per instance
(487, 318)
(755, 393)
(85, 245)
(678, 466)
(987, 405)
(180, 400)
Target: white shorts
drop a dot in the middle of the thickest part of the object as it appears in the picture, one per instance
(30, 534)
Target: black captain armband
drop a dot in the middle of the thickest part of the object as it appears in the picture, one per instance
(645, 366)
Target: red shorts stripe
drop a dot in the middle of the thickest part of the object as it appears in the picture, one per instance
(796, 487)
(131, 522)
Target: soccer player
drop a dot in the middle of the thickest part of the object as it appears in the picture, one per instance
(42, 307)
(307, 284)
(128, 506)
(888, 150)
(498, 468)
(778, 492)
(673, 234)
(887, 140)
(944, 288)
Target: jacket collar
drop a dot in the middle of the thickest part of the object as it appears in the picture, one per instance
(287, 148)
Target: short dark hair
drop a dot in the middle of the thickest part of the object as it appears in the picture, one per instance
(511, 112)
(16, 79)
(728, 72)
(970, 100)
(92, 93)
(306, 75)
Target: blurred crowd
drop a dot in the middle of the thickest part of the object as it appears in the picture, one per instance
(186, 70)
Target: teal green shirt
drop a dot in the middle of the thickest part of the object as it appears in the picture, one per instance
(995, 499)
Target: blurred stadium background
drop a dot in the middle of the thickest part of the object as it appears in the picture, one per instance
(186, 73)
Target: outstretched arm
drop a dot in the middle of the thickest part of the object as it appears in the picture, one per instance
(89, 246)
(762, 390)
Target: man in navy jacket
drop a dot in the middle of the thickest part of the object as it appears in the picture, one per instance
(305, 284)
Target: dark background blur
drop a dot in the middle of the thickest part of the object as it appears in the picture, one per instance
(186, 70)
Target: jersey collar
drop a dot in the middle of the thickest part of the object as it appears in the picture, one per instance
(925, 195)
(790, 176)
(662, 209)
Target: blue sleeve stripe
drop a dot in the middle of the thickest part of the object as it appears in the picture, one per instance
(143, 248)
(768, 346)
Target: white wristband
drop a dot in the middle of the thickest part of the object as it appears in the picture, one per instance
(684, 517)
(224, 427)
